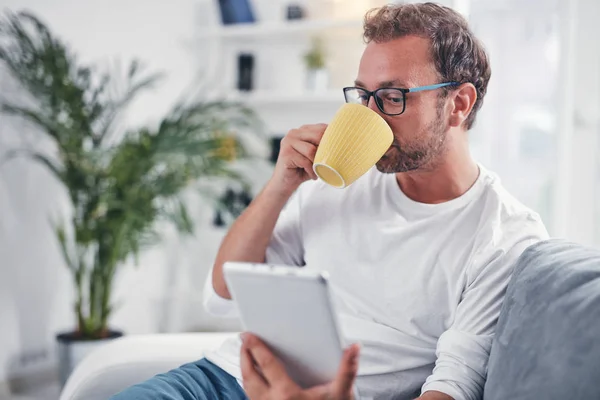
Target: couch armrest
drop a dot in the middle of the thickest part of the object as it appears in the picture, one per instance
(133, 359)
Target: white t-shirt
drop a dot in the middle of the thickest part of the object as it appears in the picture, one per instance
(420, 286)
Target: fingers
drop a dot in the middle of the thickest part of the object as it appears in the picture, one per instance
(309, 133)
(254, 383)
(272, 369)
(298, 149)
(308, 150)
(344, 381)
(300, 161)
(298, 154)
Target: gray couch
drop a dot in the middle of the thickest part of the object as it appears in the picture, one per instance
(547, 344)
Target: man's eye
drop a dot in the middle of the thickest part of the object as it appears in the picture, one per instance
(393, 98)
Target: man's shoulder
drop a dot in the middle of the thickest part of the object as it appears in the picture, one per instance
(505, 229)
(505, 220)
(505, 205)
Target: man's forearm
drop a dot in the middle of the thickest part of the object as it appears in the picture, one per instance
(434, 395)
(249, 236)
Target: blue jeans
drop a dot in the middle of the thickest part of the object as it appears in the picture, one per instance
(200, 380)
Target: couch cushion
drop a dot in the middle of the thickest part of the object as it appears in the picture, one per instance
(133, 359)
(547, 343)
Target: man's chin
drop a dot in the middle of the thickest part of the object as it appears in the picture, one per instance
(390, 166)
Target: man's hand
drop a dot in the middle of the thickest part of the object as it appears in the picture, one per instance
(296, 155)
(265, 378)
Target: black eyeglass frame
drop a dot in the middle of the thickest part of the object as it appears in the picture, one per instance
(401, 90)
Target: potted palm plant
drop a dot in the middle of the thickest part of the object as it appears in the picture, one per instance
(122, 184)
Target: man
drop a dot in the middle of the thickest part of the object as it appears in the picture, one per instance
(419, 250)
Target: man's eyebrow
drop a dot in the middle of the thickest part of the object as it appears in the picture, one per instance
(395, 83)
(386, 84)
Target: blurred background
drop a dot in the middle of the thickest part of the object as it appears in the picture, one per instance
(285, 62)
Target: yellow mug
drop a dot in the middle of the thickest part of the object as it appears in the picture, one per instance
(354, 141)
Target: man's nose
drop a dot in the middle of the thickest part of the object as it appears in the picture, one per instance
(372, 104)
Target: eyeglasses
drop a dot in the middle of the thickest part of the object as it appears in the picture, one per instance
(390, 101)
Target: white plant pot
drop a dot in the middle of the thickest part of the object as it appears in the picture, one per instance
(71, 351)
(317, 80)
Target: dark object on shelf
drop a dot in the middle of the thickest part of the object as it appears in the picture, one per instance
(275, 146)
(218, 219)
(245, 72)
(245, 198)
(232, 204)
(295, 11)
(236, 11)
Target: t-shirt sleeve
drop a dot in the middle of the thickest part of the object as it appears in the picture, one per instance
(284, 248)
(286, 245)
(215, 304)
(463, 350)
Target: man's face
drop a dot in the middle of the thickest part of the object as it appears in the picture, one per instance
(419, 132)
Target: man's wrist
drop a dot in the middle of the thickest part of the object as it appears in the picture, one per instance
(276, 191)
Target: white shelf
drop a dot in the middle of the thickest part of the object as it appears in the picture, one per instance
(275, 29)
(265, 98)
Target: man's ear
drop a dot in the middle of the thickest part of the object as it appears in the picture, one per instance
(463, 99)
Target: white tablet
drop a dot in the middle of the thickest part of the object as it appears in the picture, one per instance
(290, 309)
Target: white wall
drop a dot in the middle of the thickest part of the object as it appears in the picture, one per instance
(35, 289)
(581, 125)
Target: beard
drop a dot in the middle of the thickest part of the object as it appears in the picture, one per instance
(423, 153)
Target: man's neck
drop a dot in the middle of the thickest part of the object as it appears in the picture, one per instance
(450, 178)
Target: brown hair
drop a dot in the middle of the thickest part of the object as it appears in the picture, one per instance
(456, 52)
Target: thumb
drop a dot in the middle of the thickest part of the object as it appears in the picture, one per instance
(344, 380)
